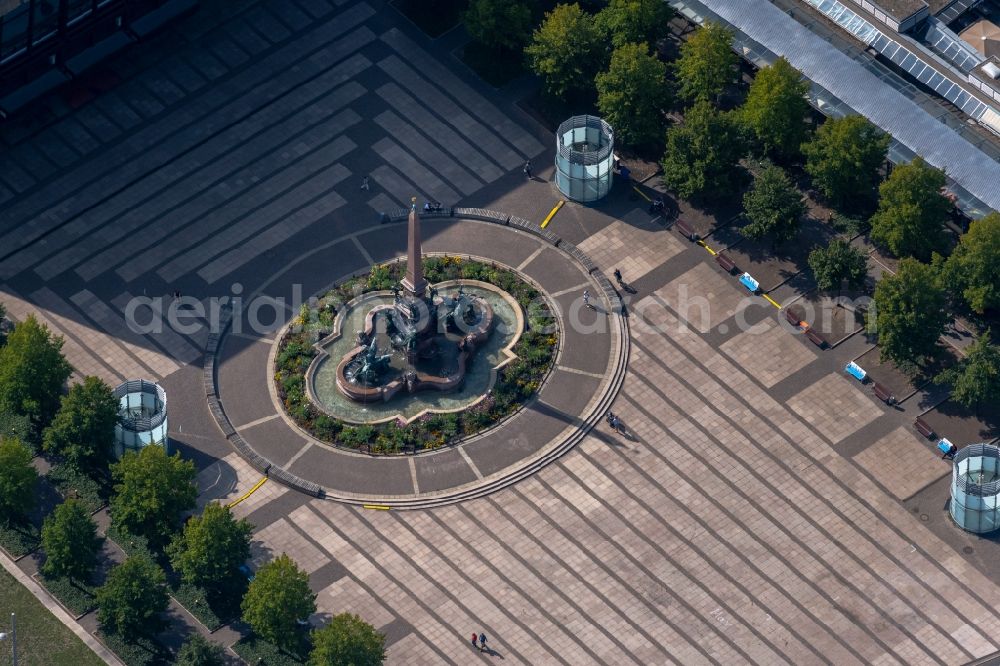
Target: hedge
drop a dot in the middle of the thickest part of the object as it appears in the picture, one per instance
(71, 482)
(254, 650)
(76, 596)
(19, 538)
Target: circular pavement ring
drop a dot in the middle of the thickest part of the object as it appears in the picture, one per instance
(585, 377)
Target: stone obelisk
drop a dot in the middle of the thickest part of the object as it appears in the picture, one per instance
(414, 283)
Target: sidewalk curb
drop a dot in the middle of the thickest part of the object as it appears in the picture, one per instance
(56, 609)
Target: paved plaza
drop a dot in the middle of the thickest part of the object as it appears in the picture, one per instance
(758, 507)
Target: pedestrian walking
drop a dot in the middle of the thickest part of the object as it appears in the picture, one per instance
(474, 639)
(527, 169)
(364, 184)
(618, 276)
(482, 642)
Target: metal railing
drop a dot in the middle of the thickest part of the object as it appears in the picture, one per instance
(135, 420)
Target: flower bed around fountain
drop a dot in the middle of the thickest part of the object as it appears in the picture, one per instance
(515, 382)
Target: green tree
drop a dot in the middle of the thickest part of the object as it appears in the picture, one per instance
(278, 596)
(502, 25)
(836, 262)
(83, 431)
(702, 153)
(776, 108)
(844, 158)
(199, 651)
(211, 548)
(911, 210)
(975, 380)
(774, 207)
(18, 479)
(130, 603)
(706, 64)
(347, 641)
(566, 51)
(908, 313)
(152, 490)
(69, 537)
(631, 95)
(628, 21)
(32, 372)
(973, 269)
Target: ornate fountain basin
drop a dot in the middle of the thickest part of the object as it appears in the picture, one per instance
(480, 353)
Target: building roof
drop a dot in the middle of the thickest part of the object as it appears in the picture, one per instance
(866, 94)
(989, 72)
(984, 36)
(900, 9)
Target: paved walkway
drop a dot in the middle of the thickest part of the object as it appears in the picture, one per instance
(743, 518)
(588, 368)
(46, 600)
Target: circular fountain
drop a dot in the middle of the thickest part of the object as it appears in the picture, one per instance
(408, 346)
(445, 342)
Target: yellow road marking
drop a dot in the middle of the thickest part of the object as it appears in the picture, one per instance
(377, 507)
(771, 301)
(248, 493)
(710, 250)
(552, 213)
(640, 193)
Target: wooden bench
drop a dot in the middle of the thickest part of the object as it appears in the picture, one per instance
(816, 338)
(727, 264)
(683, 227)
(883, 394)
(923, 428)
(792, 318)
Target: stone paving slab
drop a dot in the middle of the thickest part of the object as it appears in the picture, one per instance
(412, 650)
(85, 363)
(179, 348)
(705, 297)
(280, 537)
(903, 462)
(464, 152)
(347, 596)
(239, 192)
(452, 171)
(632, 248)
(67, 319)
(314, 211)
(558, 276)
(249, 360)
(447, 82)
(425, 180)
(768, 353)
(353, 474)
(396, 186)
(115, 326)
(474, 131)
(444, 470)
(835, 406)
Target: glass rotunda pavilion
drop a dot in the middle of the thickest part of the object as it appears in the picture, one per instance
(975, 488)
(585, 158)
(142, 416)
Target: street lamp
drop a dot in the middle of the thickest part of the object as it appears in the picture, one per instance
(13, 639)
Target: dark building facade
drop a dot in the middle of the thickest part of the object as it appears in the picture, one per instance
(47, 43)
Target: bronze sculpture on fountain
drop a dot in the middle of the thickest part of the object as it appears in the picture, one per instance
(426, 351)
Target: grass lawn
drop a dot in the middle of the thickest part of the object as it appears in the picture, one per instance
(41, 638)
